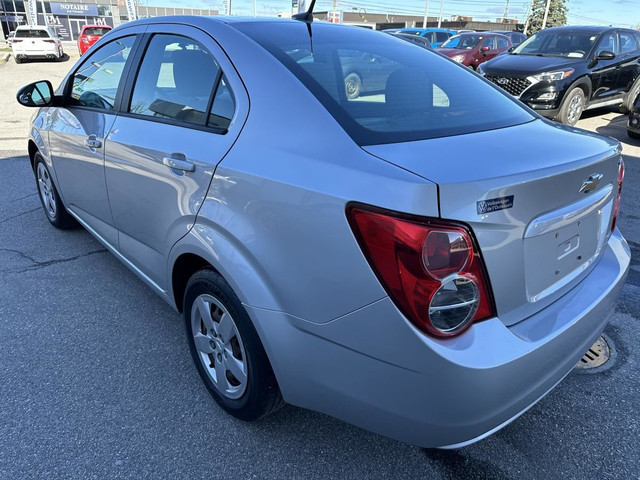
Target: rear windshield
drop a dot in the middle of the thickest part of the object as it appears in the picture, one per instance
(95, 31)
(384, 90)
(31, 34)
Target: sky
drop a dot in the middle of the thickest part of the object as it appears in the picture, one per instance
(621, 13)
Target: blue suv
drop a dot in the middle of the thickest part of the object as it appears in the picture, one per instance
(435, 35)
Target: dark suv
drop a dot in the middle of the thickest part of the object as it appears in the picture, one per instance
(560, 72)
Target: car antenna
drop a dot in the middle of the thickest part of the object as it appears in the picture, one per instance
(307, 17)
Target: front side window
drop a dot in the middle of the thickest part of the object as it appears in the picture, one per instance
(467, 42)
(176, 80)
(502, 42)
(383, 91)
(95, 83)
(609, 43)
(489, 42)
(627, 43)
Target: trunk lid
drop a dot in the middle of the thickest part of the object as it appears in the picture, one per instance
(539, 230)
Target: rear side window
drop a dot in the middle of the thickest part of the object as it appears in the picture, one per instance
(178, 78)
(32, 34)
(383, 91)
(95, 83)
(442, 36)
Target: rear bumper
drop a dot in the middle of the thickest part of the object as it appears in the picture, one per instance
(40, 53)
(373, 369)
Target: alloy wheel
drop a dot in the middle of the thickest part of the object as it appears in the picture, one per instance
(45, 186)
(219, 346)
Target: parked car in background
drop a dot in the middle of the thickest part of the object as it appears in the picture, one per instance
(472, 49)
(408, 37)
(89, 35)
(435, 35)
(9, 38)
(562, 71)
(420, 265)
(633, 123)
(31, 42)
(516, 37)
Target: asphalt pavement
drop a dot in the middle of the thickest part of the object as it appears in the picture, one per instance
(96, 379)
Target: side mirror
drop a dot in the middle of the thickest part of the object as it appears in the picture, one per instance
(37, 94)
(484, 49)
(511, 49)
(606, 55)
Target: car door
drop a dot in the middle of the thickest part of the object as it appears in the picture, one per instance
(78, 130)
(185, 107)
(604, 76)
(629, 61)
(487, 49)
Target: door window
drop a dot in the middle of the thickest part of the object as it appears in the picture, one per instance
(96, 82)
(441, 36)
(502, 42)
(176, 80)
(627, 43)
(609, 43)
(489, 42)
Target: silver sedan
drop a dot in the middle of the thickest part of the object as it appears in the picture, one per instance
(421, 256)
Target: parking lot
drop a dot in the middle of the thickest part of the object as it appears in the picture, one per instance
(96, 380)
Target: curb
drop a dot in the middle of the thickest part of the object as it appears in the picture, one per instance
(4, 57)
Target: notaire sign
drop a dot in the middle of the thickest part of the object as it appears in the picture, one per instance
(80, 9)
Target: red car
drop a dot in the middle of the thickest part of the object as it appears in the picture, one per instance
(472, 49)
(89, 35)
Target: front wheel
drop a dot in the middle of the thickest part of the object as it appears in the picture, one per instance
(572, 107)
(629, 101)
(51, 203)
(227, 350)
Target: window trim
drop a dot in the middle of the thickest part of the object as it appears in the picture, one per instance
(121, 83)
(133, 76)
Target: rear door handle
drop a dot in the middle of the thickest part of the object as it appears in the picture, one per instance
(92, 142)
(178, 163)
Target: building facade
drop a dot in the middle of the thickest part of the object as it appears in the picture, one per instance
(67, 18)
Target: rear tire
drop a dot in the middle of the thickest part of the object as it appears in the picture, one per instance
(572, 107)
(352, 85)
(52, 205)
(226, 349)
(17, 60)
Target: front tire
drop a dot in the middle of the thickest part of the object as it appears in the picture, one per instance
(51, 203)
(227, 350)
(633, 134)
(634, 92)
(572, 107)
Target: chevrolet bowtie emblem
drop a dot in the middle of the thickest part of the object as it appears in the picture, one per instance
(591, 184)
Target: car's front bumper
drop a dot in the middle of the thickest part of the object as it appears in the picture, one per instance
(372, 368)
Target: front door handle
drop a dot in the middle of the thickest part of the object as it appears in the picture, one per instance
(178, 163)
(92, 142)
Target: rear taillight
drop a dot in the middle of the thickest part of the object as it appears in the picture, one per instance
(84, 40)
(617, 205)
(50, 41)
(16, 40)
(431, 269)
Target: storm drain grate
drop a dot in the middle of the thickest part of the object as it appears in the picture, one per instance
(597, 355)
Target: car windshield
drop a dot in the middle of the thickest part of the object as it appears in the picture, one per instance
(381, 90)
(36, 33)
(572, 44)
(462, 41)
(95, 31)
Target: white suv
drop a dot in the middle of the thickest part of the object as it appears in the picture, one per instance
(36, 42)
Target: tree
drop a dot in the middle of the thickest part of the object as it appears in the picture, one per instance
(557, 15)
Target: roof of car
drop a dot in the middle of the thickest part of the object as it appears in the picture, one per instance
(583, 28)
(425, 30)
(32, 27)
(96, 26)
